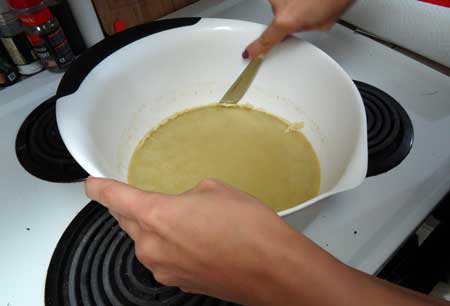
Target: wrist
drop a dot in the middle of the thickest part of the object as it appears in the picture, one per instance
(299, 271)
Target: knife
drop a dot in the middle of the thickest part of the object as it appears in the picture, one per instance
(243, 82)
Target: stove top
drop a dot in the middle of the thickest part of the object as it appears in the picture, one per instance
(40, 149)
(390, 132)
(94, 264)
(362, 227)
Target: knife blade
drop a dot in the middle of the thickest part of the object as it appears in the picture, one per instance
(243, 82)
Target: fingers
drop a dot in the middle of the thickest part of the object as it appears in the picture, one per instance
(326, 26)
(187, 290)
(131, 227)
(271, 36)
(120, 198)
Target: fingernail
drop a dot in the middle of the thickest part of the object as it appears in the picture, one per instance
(245, 54)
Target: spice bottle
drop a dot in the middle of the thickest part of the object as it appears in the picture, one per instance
(44, 33)
(61, 10)
(16, 43)
(8, 73)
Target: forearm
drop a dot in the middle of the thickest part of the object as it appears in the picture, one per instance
(248, 255)
(328, 282)
(390, 294)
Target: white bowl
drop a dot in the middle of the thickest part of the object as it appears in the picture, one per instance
(138, 86)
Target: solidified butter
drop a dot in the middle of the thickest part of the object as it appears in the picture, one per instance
(250, 149)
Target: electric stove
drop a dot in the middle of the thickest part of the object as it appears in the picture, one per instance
(61, 249)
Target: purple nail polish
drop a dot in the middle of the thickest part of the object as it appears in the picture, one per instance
(287, 37)
(245, 55)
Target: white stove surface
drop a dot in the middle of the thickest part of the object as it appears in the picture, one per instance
(382, 212)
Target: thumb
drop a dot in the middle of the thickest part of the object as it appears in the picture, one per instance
(271, 36)
(120, 198)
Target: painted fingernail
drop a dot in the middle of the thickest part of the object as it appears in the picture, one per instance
(286, 38)
(245, 54)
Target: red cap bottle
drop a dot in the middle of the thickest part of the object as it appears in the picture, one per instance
(23, 4)
(44, 33)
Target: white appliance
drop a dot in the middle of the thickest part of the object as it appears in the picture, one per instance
(363, 227)
(415, 25)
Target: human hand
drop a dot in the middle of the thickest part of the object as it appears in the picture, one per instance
(218, 241)
(294, 16)
(213, 240)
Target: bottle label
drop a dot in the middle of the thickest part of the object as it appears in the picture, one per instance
(61, 47)
(7, 73)
(12, 77)
(53, 47)
(56, 37)
(64, 54)
(43, 51)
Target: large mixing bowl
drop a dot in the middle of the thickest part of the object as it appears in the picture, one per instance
(138, 86)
